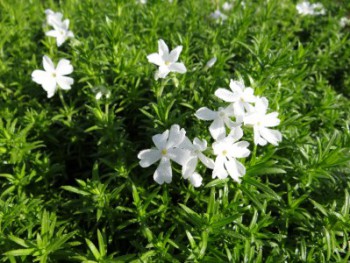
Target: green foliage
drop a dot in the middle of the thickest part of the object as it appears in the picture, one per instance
(71, 189)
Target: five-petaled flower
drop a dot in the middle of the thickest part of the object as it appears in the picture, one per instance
(60, 32)
(261, 121)
(50, 77)
(53, 18)
(166, 61)
(196, 152)
(167, 148)
(227, 150)
(220, 118)
(240, 96)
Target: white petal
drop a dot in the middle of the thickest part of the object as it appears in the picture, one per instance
(196, 179)
(186, 144)
(148, 157)
(163, 172)
(205, 114)
(178, 67)
(176, 136)
(272, 136)
(240, 149)
(52, 33)
(248, 95)
(175, 53)
(64, 67)
(211, 62)
(159, 140)
(48, 64)
(50, 87)
(206, 161)
(261, 105)
(217, 129)
(236, 133)
(64, 82)
(237, 86)
(219, 169)
(162, 72)
(162, 47)
(258, 140)
(40, 76)
(178, 155)
(234, 171)
(271, 120)
(225, 95)
(200, 145)
(189, 167)
(60, 39)
(155, 58)
(251, 118)
(239, 108)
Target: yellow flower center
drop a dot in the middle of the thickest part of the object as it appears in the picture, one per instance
(167, 63)
(164, 152)
(54, 75)
(224, 152)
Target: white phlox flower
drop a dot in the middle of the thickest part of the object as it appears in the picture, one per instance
(227, 150)
(240, 96)
(167, 148)
(227, 6)
(344, 21)
(196, 152)
(261, 122)
(53, 18)
(306, 8)
(61, 32)
(167, 62)
(216, 15)
(220, 118)
(51, 77)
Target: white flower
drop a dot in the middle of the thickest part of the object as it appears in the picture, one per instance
(261, 121)
(306, 8)
(196, 152)
(196, 179)
(167, 148)
(218, 15)
(211, 62)
(240, 96)
(61, 32)
(227, 150)
(53, 18)
(51, 77)
(220, 118)
(227, 6)
(166, 61)
(142, 2)
(344, 21)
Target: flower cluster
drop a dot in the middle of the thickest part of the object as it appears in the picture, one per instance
(52, 76)
(306, 8)
(243, 109)
(60, 31)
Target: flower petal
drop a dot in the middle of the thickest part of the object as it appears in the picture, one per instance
(200, 145)
(64, 67)
(240, 149)
(175, 53)
(159, 140)
(50, 87)
(162, 72)
(196, 179)
(163, 172)
(162, 48)
(225, 95)
(272, 136)
(235, 169)
(189, 167)
(48, 64)
(206, 161)
(258, 140)
(237, 86)
(205, 114)
(178, 155)
(148, 157)
(219, 169)
(64, 82)
(40, 76)
(155, 58)
(176, 136)
(271, 119)
(217, 129)
(178, 67)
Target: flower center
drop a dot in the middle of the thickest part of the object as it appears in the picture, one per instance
(54, 75)
(164, 152)
(242, 99)
(167, 63)
(224, 152)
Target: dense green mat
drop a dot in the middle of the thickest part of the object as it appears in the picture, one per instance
(71, 188)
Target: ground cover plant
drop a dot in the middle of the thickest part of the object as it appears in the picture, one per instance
(81, 101)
